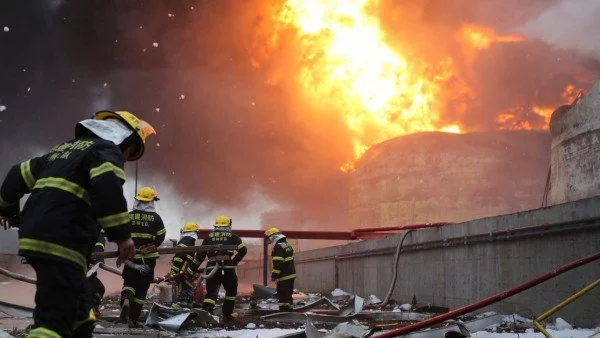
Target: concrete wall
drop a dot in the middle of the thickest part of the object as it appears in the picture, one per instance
(455, 274)
(575, 155)
(443, 177)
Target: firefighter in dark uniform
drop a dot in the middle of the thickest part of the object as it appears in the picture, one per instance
(184, 265)
(96, 287)
(227, 276)
(148, 233)
(284, 271)
(74, 187)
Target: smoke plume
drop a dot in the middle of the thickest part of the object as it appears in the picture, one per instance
(236, 133)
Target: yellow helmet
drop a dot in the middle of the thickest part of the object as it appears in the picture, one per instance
(190, 227)
(141, 128)
(272, 231)
(147, 194)
(222, 221)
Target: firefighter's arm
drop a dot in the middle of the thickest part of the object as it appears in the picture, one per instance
(108, 203)
(278, 259)
(240, 251)
(193, 264)
(177, 263)
(159, 231)
(20, 180)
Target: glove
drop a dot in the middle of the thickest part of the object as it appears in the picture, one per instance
(148, 248)
(180, 276)
(10, 216)
(169, 277)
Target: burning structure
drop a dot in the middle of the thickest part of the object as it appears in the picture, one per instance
(419, 111)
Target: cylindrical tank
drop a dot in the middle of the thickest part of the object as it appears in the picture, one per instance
(575, 150)
(438, 177)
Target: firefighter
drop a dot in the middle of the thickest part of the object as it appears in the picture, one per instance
(74, 187)
(96, 287)
(284, 271)
(226, 275)
(184, 265)
(148, 233)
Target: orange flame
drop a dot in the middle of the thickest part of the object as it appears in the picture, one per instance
(509, 120)
(480, 37)
(475, 38)
(350, 67)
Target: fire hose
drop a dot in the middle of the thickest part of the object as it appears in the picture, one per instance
(395, 274)
(490, 300)
(17, 276)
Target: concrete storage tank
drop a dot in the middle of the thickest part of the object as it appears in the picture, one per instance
(436, 177)
(575, 155)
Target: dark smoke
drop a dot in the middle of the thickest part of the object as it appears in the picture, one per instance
(224, 126)
(222, 130)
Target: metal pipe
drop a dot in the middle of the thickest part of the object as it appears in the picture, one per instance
(402, 227)
(309, 234)
(490, 300)
(566, 302)
(165, 251)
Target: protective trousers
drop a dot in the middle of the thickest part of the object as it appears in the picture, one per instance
(185, 292)
(229, 279)
(60, 298)
(135, 287)
(285, 288)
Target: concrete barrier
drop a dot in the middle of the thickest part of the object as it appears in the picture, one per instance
(460, 264)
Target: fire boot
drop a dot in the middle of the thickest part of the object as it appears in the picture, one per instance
(229, 317)
(125, 306)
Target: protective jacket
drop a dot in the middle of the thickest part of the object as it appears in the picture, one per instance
(77, 185)
(283, 261)
(223, 237)
(147, 228)
(184, 261)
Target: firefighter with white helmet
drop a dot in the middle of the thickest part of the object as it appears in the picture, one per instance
(226, 275)
(148, 233)
(75, 187)
(184, 265)
(284, 271)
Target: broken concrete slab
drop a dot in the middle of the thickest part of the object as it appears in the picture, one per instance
(456, 328)
(355, 306)
(374, 316)
(16, 311)
(308, 307)
(176, 322)
(261, 291)
(171, 319)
